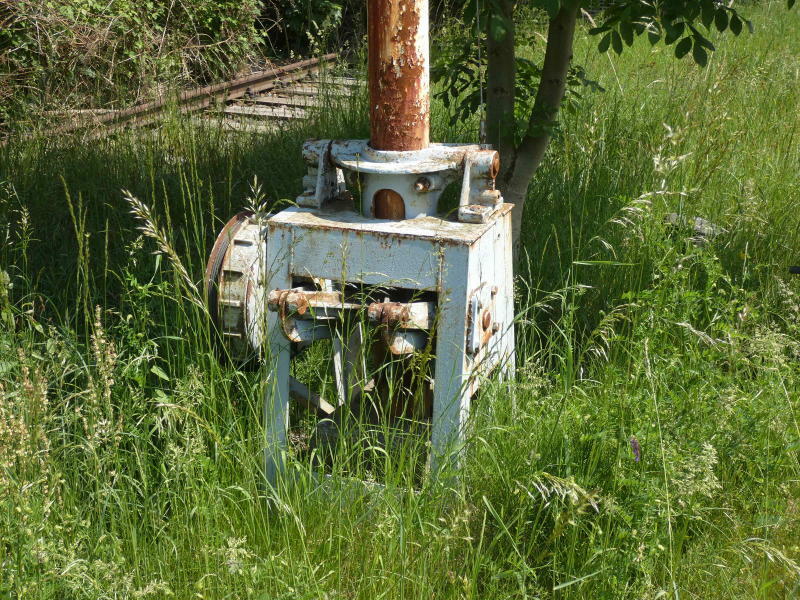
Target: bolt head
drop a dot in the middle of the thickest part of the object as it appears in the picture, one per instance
(423, 184)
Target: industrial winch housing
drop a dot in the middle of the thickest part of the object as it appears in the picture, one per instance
(388, 270)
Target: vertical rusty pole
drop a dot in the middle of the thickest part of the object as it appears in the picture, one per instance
(399, 74)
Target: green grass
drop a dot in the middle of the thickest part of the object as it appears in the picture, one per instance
(129, 457)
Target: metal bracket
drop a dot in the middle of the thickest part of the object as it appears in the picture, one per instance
(418, 176)
(481, 324)
(478, 199)
(308, 315)
(404, 326)
(325, 180)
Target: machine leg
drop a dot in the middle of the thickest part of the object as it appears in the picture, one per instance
(348, 362)
(451, 392)
(276, 396)
(276, 416)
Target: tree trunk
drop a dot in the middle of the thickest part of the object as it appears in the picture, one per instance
(528, 156)
(501, 73)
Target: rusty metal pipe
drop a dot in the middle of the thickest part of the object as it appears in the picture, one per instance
(399, 74)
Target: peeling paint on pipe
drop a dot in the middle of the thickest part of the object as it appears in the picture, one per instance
(399, 74)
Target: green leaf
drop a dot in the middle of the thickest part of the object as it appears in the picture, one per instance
(654, 37)
(626, 31)
(683, 47)
(789, 4)
(674, 32)
(470, 10)
(736, 25)
(700, 55)
(158, 372)
(605, 42)
(616, 42)
(703, 41)
(721, 19)
(708, 13)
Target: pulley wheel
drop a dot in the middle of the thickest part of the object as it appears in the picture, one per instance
(234, 295)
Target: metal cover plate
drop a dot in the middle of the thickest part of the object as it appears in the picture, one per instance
(356, 155)
(426, 228)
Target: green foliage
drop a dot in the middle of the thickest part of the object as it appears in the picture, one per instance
(129, 457)
(303, 26)
(675, 22)
(460, 64)
(461, 70)
(62, 51)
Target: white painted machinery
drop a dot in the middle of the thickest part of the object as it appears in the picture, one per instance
(366, 258)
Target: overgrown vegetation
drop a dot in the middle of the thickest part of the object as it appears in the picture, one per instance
(302, 26)
(647, 449)
(76, 51)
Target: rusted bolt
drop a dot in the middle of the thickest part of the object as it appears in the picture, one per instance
(495, 327)
(494, 291)
(423, 184)
(486, 319)
(391, 314)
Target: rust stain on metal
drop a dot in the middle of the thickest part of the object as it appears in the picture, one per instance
(494, 170)
(403, 342)
(388, 204)
(399, 74)
(391, 314)
(403, 315)
(488, 328)
(487, 319)
(217, 287)
(299, 301)
(301, 305)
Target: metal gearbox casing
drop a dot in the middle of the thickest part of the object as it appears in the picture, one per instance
(445, 281)
(259, 273)
(467, 265)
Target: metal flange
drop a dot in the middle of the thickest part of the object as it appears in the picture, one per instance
(234, 292)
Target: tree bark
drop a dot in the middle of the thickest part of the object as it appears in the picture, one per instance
(501, 73)
(528, 156)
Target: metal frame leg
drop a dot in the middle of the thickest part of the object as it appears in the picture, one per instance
(276, 394)
(451, 392)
